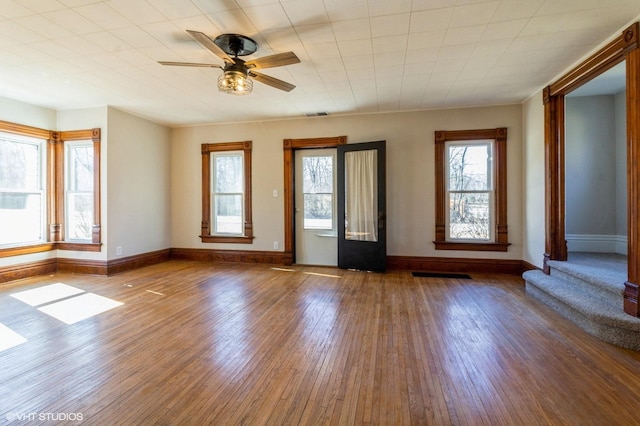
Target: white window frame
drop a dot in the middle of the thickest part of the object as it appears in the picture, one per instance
(68, 146)
(215, 194)
(490, 190)
(42, 191)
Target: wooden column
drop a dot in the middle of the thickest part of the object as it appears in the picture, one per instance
(555, 243)
(632, 57)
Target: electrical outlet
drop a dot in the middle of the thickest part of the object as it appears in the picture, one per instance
(118, 251)
(275, 245)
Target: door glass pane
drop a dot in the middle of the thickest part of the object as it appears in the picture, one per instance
(317, 187)
(469, 216)
(228, 214)
(361, 195)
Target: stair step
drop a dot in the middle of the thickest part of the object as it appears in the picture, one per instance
(607, 281)
(603, 318)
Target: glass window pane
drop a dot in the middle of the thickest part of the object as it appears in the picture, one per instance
(228, 214)
(20, 217)
(469, 216)
(228, 173)
(317, 211)
(469, 167)
(20, 165)
(80, 168)
(317, 175)
(79, 215)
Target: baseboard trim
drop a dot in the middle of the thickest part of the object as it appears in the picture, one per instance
(238, 256)
(454, 264)
(115, 266)
(27, 270)
(597, 243)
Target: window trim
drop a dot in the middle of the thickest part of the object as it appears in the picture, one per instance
(58, 228)
(207, 149)
(501, 240)
(54, 184)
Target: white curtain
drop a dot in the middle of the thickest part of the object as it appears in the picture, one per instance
(361, 203)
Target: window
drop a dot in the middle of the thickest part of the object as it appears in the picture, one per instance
(23, 203)
(226, 193)
(78, 190)
(49, 190)
(77, 171)
(317, 188)
(471, 190)
(227, 183)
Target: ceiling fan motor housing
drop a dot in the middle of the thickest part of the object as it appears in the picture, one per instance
(236, 44)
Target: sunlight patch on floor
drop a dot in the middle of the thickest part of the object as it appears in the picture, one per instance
(9, 338)
(48, 293)
(78, 308)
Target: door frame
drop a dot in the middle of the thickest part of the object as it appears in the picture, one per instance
(289, 147)
(625, 47)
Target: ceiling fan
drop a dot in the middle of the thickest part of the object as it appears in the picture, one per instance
(235, 78)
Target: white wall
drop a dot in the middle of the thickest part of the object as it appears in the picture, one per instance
(29, 115)
(590, 165)
(596, 207)
(138, 177)
(620, 105)
(410, 173)
(533, 170)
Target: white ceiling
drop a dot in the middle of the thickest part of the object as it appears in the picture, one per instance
(358, 56)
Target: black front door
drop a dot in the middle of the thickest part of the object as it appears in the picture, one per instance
(362, 239)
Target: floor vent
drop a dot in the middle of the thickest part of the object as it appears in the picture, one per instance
(441, 275)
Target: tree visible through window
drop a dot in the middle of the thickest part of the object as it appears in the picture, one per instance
(22, 196)
(79, 190)
(471, 190)
(317, 187)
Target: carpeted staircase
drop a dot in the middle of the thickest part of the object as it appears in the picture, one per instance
(587, 289)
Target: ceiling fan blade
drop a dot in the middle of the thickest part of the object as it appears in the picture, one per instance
(207, 42)
(277, 60)
(273, 82)
(189, 64)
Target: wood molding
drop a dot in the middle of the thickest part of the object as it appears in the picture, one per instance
(289, 146)
(115, 266)
(499, 136)
(239, 256)
(452, 245)
(82, 266)
(633, 170)
(22, 250)
(27, 270)
(453, 264)
(20, 129)
(206, 235)
(625, 47)
(555, 244)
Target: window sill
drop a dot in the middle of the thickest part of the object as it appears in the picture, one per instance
(228, 240)
(42, 247)
(450, 245)
(64, 245)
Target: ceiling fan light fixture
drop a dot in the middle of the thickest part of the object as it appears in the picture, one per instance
(235, 83)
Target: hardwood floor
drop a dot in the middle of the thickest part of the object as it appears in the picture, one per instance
(198, 343)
